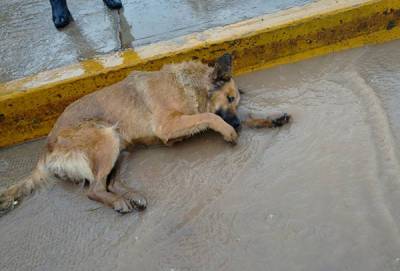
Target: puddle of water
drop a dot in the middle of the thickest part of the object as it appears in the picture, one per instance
(318, 194)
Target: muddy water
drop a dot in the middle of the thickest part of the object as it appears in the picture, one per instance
(319, 194)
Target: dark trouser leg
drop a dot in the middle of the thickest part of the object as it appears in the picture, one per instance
(113, 4)
(61, 14)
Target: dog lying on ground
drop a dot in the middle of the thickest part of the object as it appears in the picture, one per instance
(147, 108)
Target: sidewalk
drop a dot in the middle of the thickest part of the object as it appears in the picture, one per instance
(29, 43)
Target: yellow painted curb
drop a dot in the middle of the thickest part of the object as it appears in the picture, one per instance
(30, 106)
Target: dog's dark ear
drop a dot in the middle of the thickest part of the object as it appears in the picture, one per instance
(222, 69)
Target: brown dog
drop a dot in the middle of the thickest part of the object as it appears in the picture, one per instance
(165, 106)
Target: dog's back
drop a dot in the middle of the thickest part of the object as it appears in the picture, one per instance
(142, 96)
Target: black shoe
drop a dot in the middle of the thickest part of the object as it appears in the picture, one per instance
(61, 14)
(113, 4)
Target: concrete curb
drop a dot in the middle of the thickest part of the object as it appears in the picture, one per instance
(30, 106)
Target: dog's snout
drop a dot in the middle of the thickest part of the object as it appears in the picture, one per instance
(230, 118)
(235, 123)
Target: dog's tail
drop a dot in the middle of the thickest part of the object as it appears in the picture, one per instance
(11, 196)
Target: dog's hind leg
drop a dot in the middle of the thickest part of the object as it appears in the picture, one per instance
(117, 186)
(104, 155)
(88, 152)
(98, 192)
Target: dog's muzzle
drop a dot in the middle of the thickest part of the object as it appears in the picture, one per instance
(230, 118)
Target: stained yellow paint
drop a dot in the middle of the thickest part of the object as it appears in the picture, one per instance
(30, 106)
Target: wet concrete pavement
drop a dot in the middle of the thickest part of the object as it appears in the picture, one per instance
(319, 194)
(29, 43)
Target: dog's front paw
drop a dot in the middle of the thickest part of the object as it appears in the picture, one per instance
(281, 120)
(231, 136)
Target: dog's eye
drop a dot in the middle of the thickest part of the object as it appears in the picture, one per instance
(230, 99)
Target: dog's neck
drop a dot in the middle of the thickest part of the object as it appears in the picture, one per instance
(194, 78)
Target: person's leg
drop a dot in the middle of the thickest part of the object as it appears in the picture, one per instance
(61, 14)
(113, 4)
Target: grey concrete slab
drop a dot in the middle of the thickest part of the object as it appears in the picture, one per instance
(158, 20)
(29, 43)
(319, 194)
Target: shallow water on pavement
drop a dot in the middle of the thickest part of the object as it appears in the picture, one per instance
(319, 194)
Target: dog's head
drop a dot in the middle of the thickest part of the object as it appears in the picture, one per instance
(224, 96)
